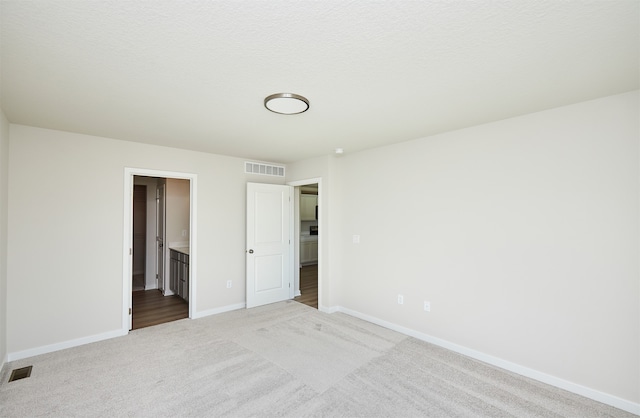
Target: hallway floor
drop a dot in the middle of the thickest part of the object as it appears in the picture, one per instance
(308, 286)
(151, 307)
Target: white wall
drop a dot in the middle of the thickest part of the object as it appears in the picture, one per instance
(4, 171)
(177, 195)
(523, 235)
(177, 207)
(65, 242)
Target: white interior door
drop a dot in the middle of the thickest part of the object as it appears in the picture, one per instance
(269, 244)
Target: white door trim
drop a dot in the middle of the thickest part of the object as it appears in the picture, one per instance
(296, 235)
(129, 172)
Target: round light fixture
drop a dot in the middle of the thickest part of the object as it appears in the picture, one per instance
(286, 103)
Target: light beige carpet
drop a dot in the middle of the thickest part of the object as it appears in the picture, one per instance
(285, 359)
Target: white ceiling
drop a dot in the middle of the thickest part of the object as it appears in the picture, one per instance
(194, 74)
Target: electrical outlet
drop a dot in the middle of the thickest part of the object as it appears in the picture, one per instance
(400, 299)
(356, 239)
(228, 284)
(427, 306)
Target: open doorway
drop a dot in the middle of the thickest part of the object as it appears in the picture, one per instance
(160, 215)
(159, 295)
(160, 265)
(308, 237)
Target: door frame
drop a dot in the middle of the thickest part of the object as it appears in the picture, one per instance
(296, 235)
(127, 257)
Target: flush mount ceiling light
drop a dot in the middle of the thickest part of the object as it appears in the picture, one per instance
(286, 103)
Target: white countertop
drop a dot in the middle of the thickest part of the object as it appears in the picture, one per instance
(183, 250)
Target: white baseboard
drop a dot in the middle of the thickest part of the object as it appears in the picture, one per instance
(596, 395)
(19, 355)
(216, 311)
(333, 309)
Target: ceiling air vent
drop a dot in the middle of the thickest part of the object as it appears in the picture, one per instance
(263, 169)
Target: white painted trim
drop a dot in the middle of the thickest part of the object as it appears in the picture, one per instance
(193, 246)
(292, 266)
(127, 244)
(330, 310)
(318, 181)
(19, 355)
(306, 182)
(296, 241)
(596, 395)
(216, 311)
(127, 239)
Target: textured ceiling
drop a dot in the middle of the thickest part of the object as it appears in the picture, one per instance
(193, 74)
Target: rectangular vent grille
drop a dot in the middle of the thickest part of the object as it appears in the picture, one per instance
(263, 169)
(22, 373)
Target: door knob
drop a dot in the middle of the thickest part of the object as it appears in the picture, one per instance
(250, 251)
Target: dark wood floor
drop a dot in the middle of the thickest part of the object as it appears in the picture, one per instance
(151, 307)
(308, 286)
